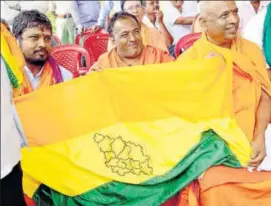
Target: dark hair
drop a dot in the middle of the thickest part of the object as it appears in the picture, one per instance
(29, 19)
(117, 16)
(143, 3)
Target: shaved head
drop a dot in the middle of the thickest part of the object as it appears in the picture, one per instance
(220, 20)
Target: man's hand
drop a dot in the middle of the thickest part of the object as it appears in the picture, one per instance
(159, 16)
(258, 152)
(95, 28)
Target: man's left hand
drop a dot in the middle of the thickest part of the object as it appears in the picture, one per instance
(258, 152)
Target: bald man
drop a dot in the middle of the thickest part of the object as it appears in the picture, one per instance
(251, 89)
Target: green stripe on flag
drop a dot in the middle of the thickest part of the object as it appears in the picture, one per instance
(211, 150)
(13, 79)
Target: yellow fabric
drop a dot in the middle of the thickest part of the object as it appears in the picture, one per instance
(155, 109)
(249, 76)
(12, 53)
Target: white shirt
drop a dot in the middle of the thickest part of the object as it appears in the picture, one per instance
(171, 14)
(149, 24)
(41, 6)
(254, 29)
(10, 136)
(60, 7)
(246, 12)
(35, 80)
(7, 13)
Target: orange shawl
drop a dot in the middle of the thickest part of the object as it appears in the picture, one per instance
(50, 75)
(249, 79)
(149, 55)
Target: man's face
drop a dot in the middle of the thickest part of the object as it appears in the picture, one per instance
(127, 38)
(152, 6)
(135, 8)
(223, 22)
(35, 44)
(177, 4)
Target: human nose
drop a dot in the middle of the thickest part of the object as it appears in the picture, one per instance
(41, 43)
(233, 19)
(132, 37)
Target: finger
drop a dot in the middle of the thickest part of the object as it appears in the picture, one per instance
(257, 160)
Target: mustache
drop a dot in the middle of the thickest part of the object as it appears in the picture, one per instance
(40, 50)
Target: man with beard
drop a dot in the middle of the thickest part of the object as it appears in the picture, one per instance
(33, 31)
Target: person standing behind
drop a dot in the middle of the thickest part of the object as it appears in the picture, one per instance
(64, 22)
(85, 14)
(178, 17)
(258, 30)
(248, 9)
(107, 7)
(11, 132)
(154, 18)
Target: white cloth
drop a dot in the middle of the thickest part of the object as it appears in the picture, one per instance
(148, 23)
(246, 12)
(7, 13)
(171, 14)
(35, 80)
(60, 7)
(10, 136)
(266, 164)
(41, 6)
(254, 29)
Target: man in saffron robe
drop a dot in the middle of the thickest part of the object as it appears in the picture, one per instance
(150, 36)
(124, 29)
(251, 89)
(33, 31)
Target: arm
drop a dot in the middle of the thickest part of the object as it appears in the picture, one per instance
(75, 15)
(163, 29)
(75, 12)
(184, 20)
(263, 117)
(104, 12)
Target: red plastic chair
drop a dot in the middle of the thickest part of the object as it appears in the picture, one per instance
(57, 40)
(70, 57)
(185, 42)
(96, 45)
(29, 201)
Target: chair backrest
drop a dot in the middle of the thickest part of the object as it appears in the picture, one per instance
(70, 57)
(185, 42)
(82, 36)
(96, 45)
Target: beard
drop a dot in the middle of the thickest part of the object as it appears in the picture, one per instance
(36, 61)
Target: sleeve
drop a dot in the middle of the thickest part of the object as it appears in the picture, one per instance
(75, 13)
(104, 12)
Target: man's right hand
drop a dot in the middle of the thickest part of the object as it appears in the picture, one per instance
(95, 28)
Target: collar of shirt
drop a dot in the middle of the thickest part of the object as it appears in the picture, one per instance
(149, 24)
(34, 80)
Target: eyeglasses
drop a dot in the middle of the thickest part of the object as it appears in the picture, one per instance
(136, 7)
